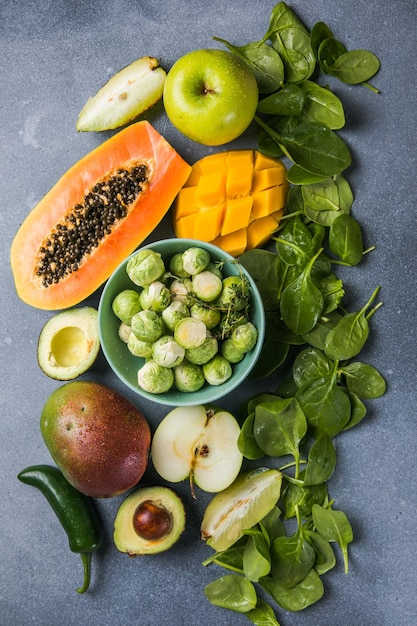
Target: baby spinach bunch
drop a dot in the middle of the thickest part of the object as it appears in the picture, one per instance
(297, 116)
(302, 295)
(290, 549)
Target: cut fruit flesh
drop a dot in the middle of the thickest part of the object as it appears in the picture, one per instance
(69, 343)
(239, 507)
(232, 199)
(138, 145)
(192, 441)
(127, 94)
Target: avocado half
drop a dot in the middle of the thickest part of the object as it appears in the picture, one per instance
(149, 521)
(68, 343)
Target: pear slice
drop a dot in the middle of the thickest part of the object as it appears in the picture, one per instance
(127, 94)
(198, 443)
(239, 507)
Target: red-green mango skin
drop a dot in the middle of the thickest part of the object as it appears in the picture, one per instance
(98, 439)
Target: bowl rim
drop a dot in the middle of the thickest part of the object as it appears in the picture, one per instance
(208, 393)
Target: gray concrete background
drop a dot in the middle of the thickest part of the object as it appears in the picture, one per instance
(55, 54)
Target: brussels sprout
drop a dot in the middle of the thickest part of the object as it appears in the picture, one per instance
(229, 321)
(244, 337)
(203, 353)
(189, 332)
(145, 267)
(155, 378)
(138, 347)
(235, 293)
(155, 296)
(126, 304)
(188, 377)
(216, 268)
(166, 351)
(175, 312)
(195, 260)
(217, 370)
(209, 315)
(148, 325)
(230, 352)
(207, 286)
(181, 290)
(124, 332)
(176, 266)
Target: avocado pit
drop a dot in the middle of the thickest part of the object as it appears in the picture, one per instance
(152, 521)
(149, 521)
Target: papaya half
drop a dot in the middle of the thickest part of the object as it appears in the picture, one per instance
(99, 212)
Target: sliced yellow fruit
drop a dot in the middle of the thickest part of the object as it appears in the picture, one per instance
(232, 199)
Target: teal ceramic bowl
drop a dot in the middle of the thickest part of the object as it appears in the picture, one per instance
(125, 365)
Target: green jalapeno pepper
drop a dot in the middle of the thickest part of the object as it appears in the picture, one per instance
(75, 511)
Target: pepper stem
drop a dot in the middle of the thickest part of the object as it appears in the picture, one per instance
(86, 559)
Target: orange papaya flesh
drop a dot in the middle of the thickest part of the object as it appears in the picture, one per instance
(99, 212)
(232, 199)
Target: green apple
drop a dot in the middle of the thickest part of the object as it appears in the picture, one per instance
(199, 443)
(210, 96)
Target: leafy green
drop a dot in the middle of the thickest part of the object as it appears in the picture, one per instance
(232, 591)
(333, 526)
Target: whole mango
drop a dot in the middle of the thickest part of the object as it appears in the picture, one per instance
(99, 440)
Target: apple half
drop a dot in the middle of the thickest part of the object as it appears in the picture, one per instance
(199, 443)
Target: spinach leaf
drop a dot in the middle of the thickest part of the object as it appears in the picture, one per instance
(302, 301)
(288, 101)
(273, 355)
(262, 614)
(358, 411)
(298, 499)
(321, 105)
(326, 405)
(333, 526)
(263, 267)
(349, 335)
(354, 66)
(299, 597)
(294, 244)
(264, 61)
(230, 559)
(321, 461)
(313, 146)
(325, 201)
(345, 239)
(246, 441)
(297, 175)
(310, 363)
(291, 39)
(325, 556)
(364, 380)
(330, 49)
(317, 336)
(319, 32)
(256, 556)
(333, 291)
(233, 591)
(292, 559)
(272, 524)
(279, 426)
